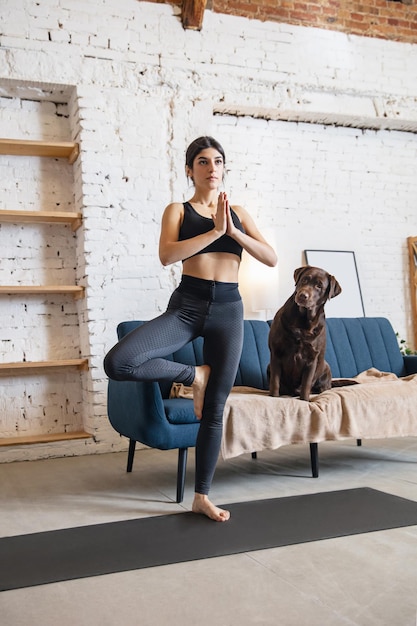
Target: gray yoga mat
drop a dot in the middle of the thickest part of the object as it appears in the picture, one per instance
(59, 555)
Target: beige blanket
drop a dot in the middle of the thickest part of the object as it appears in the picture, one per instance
(381, 405)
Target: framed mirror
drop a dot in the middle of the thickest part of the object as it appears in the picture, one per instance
(342, 265)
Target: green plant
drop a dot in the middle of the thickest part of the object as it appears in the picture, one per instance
(404, 348)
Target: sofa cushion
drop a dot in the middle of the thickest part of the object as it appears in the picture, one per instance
(252, 371)
(357, 344)
(180, 411)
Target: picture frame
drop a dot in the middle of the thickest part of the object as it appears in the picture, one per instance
(342, 265)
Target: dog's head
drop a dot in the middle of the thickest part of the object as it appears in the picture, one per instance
(314, 286)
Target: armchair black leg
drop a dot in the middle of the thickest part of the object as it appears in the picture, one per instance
(130, 455)
(254, 455)
(359, 442)
(314, 456)
(182, 466)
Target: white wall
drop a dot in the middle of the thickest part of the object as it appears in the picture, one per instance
(134, 89)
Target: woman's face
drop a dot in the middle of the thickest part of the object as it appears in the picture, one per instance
(208, 169)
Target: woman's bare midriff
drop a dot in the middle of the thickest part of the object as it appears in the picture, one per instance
(220, 266)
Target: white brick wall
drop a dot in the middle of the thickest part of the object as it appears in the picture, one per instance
(135, 88)
(334, 189)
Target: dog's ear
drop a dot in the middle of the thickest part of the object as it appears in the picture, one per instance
(334, 287)
(298, 272)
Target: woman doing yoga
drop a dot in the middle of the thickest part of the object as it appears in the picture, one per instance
(208, 236)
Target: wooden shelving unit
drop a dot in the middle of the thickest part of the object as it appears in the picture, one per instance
(60, 150)
(35, 217)
(73, 290)
(25, 147)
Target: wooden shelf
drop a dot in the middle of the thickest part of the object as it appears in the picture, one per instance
(33, 439)
(74, 290)
(26, 147)
(29, 367)
(33, 217)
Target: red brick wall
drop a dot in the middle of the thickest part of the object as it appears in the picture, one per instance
(385, 19)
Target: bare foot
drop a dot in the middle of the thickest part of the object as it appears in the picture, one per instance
(203, 505)
(202, 374)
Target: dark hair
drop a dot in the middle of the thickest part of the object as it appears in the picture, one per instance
(200, 144)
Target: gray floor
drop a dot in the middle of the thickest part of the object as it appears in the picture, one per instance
(362, 580)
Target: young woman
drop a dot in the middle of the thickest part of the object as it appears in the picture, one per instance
(208, 236)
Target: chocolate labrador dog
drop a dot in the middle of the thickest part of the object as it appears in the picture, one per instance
(297, 338)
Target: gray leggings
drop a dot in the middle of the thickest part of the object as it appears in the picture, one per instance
(212, 310)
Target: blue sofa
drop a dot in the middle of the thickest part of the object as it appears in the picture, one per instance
(144, 412)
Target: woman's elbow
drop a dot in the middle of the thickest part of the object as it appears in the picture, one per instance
(272, 259)
(165, 259)
(165, 255)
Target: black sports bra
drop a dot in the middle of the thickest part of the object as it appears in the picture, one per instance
(195, 224)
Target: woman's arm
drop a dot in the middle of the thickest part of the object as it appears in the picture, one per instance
(170, 249)
(251, 240)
